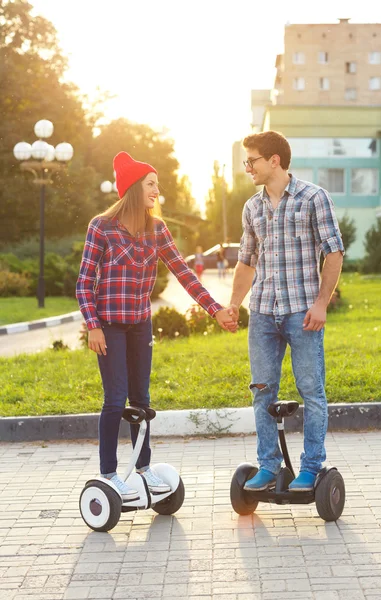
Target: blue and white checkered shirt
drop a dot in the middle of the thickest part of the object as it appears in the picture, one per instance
(284, 246)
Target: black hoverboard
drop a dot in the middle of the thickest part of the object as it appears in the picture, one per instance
(329, 488)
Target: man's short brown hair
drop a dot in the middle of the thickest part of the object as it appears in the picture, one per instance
(269, 143)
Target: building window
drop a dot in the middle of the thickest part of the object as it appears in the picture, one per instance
(364, 182)
(304, 174)
(299, 83)
(322, 58)
(350, 67)
(332, 147)
(332, 180)
(324, 83)
(298, 58)
(350, 94)
(375, 83)
(374, 58)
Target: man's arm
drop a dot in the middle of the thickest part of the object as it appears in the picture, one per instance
(317, 315)
(242, 280)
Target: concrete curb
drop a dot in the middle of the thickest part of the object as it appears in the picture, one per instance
(41, 323)
(175, 423)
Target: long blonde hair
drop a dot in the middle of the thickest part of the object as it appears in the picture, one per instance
(130, 209)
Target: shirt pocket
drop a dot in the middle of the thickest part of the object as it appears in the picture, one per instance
(139, 256)
(260, 228)
(296, 224)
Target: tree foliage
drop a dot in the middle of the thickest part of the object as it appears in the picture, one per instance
(348, 231)
(372, 259)
(33, 87)
(234, 199)
(144, 144)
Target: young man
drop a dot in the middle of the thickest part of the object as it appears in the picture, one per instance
(286, 226)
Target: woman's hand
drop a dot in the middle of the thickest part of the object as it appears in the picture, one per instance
(228, 320)
(97, 341)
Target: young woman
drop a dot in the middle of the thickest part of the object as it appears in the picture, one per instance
(116, 278)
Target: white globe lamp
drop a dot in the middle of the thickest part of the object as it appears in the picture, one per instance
(43, 128)
(51, 153)
(40, 149)
(64, 152)
(22, 151)
(106, 187)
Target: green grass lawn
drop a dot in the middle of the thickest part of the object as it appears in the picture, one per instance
(16, 310)
(206, 371)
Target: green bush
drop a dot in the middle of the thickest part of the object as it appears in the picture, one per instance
(169, 323)
(243, 318)
(14, 284)
(200, 322)
(10, 262)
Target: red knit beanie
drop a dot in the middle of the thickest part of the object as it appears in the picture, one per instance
(128, 171)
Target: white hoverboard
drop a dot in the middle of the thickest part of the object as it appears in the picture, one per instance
(101, 503)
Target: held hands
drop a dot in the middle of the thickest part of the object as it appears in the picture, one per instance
(315, 317)
(228, 319)
(96, 341)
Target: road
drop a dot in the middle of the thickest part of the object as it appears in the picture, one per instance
(173, 296)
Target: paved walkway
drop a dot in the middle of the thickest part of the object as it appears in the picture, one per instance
(205, 552)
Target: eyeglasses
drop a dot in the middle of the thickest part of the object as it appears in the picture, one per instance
(251, 161)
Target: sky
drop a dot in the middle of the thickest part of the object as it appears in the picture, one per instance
(185, 67)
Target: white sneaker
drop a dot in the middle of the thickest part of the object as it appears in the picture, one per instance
(127, 493)
(155, 484)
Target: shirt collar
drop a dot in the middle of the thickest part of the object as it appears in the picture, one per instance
(290, 188)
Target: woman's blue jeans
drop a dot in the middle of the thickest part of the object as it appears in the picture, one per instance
(125, 372)
(268, 338)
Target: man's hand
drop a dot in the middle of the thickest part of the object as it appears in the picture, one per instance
(233, 311)
(315, 318)
(97, 341)
(226, 320)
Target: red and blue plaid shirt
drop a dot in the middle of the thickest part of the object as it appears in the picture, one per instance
(118, 272)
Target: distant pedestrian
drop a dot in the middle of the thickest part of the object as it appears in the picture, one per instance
(199, 262)
(222, 262)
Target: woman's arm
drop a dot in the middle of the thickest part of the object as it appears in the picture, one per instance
(171, 257)
(92, 254)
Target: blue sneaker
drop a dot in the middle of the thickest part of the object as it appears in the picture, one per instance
(261, 481)
(304, 482)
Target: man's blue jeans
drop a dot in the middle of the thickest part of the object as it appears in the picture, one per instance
(125, 372)
(268, 338)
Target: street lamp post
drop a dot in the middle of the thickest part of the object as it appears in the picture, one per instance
(46, 158)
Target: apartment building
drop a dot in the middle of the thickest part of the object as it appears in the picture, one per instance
(330, 64)
(327, 101)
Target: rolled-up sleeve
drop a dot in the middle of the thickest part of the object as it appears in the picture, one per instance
(325, 224)
(248, 250)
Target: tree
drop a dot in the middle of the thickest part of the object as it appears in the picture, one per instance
(31, 88)
(348, 231)
(144, 144)
(243, 188)
(213, 231)
(372, 259)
